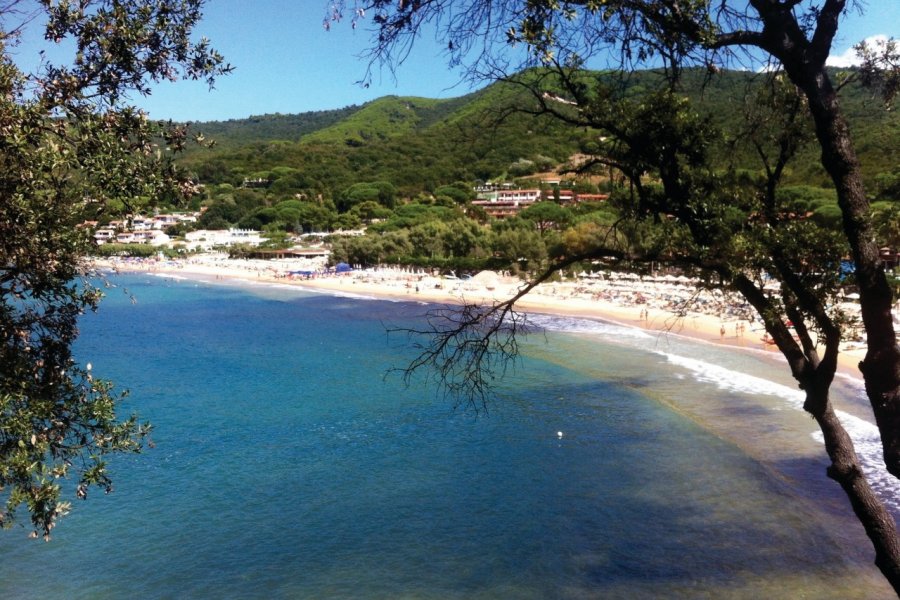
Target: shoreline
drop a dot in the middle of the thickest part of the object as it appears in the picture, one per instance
(555, 299)
(788, 452)
(219, 360)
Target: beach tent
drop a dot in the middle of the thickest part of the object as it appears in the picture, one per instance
(848, 267)
(342, 268)
(488, 279)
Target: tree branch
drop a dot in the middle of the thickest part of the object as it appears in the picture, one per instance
(826, 28)
(465, 348)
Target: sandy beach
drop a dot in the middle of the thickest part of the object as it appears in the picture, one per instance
(664, 439)
(779, 447)
(666, 305)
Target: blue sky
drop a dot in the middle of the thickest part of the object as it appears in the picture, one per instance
(286, 62)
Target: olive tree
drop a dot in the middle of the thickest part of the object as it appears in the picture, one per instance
(660, 138)
(71, 146)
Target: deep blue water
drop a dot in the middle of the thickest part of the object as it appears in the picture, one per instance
(287, 466)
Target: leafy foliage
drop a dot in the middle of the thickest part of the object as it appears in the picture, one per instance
(420, 145)
(71, 149)
(723, 224)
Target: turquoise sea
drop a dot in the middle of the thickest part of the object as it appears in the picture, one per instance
(286, 465)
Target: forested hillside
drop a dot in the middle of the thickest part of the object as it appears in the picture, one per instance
(418, 144)
(406, 167)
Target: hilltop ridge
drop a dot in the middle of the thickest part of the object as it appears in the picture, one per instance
(420, 143)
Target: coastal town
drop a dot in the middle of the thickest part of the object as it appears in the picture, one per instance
(450, 300)
(666, 300)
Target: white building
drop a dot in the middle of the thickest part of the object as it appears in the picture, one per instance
(154, 237)
(141, 224)
(519, 196)
(101, 236)
(206, 239)
(163, 221)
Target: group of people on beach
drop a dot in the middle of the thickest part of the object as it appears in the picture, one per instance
(661, 300)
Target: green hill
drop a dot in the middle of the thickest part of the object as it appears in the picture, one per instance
(419, 144)
(384, 119)
(238, 132)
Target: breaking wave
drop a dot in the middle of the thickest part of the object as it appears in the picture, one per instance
(866, 437)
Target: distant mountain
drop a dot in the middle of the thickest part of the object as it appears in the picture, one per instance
(420, 143)
(236, 132)
(387, 118)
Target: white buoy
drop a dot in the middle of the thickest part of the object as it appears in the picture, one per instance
(559, 434)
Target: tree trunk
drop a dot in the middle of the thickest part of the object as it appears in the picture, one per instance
(881, 367)
(868, 507)
(815, 379)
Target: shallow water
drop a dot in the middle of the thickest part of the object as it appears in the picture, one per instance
(286, 465)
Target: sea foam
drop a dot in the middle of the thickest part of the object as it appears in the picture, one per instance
(171, 276)
(586, 326)
(865, 435)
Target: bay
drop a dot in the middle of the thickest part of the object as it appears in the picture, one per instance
(287, 465)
